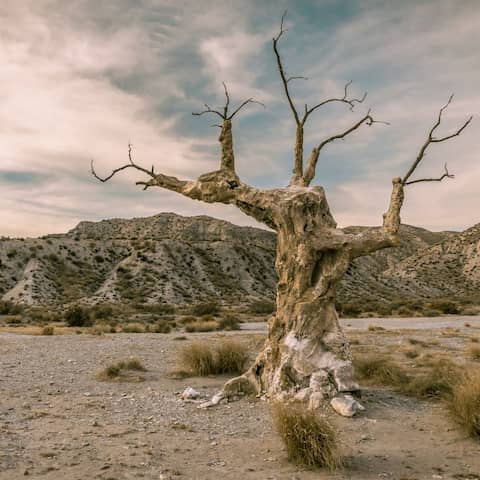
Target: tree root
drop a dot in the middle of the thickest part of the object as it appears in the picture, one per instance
(234, 389)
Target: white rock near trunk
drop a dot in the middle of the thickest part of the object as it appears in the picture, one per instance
(346, 405)
(190, 394)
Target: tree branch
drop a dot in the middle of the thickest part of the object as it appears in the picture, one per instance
(446, 174)
(349, 101)
(431, 139)
(376, 238)
(219, 186)
(386, 236)
(246, 102)
(281, 70)
(208, 110)
(312, 161)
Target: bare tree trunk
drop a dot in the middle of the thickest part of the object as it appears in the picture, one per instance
(306, 355)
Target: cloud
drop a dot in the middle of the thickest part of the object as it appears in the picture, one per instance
(80, 81)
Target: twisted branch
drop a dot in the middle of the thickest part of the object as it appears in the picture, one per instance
(431, 139)
(224, 116)
(313, 159)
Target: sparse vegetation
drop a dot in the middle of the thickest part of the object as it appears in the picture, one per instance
(201, 326)
(229, 322)
(437, 382)
(375, 328)
(262, 307)
(208, 308)
(118, 371)
(465, 403)
(134, 327)
(309, 439)
(10, 308)
(380, 369)
(230, 357)
(48, 330)
(200, 358)
(78, 316)
(474, 352)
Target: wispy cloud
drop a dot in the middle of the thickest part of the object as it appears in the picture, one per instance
(79, 81)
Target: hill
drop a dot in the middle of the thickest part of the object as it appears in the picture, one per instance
(182, 260)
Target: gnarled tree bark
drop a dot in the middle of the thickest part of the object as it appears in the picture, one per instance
(306, 355)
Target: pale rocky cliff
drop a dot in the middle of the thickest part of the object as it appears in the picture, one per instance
(182, 260)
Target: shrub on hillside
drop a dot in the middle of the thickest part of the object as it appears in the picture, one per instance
(208, 308)
(445, 306)
(229, 322)
(262, 307)
(78, 316)
(9, 308)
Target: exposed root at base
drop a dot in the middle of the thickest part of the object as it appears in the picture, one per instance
(234, 389)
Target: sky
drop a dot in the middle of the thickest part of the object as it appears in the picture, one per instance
(80, 80)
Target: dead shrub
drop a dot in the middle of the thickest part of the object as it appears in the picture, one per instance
(437, 382)
(411, 353)
(132, 363)
(230, 357)
(474, 352)
(309, 439)
(465, 404)
(48, 330)
(202, 359)
(133, 328)
(417, 342)
(380, 369)
(198, 359)
(375, 328)
(200, 326)
(117, 371)
(229, 322)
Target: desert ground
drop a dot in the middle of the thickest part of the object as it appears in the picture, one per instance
(58, 421)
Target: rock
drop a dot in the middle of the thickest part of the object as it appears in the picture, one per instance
(346, 405)
(317, 399)
(190, 394)
(303, 395)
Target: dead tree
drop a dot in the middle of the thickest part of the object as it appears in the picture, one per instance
(306, 354)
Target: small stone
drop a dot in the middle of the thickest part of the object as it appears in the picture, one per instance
(189, 394)
(346, 405)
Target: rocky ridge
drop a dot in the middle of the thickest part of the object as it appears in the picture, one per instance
(182, 260)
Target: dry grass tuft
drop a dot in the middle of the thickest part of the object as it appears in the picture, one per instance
(201, 326)
(117, 371)
(417, 342)
(376, 328)
(230, 357)
(133, 328)
(48, 330)
(465, 404)
(474, 352)
(310, 440)
(437, 382)
(411, 353)
(198, 359)
(380, 369)
(132, 364)
(202, 359)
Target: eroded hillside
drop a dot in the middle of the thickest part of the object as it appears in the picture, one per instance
(183, 260)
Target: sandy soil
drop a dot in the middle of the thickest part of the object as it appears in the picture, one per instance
(57, 421)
